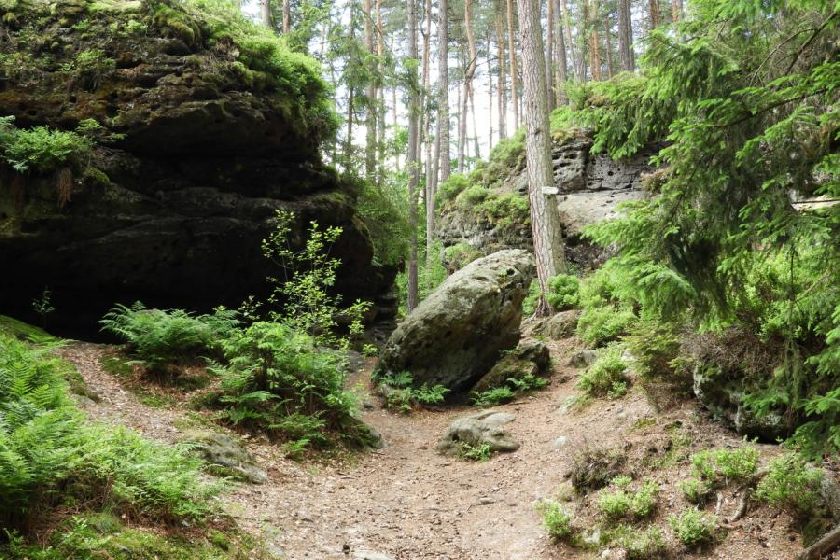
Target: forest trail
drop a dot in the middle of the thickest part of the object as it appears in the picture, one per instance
(405, 501)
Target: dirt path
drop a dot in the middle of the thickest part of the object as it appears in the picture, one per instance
(408, 502)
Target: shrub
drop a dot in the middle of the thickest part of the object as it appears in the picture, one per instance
(174, 336)
(452, 187)
(508, 208)
(791, 485)
(470, 452)
(40, 148)
(279, 381)
(493, 397)
(460, 255)
(564, 292)
(693, 528)
(557, 521)
(622, 503)
(695, 490)
(722, 466)
(471, 197)
(599, 325)
(646, 545)
(401, 395)
(606, 377)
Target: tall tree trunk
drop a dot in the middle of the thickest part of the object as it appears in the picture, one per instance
(676, 10)
(396, 124)
(380, 97)
(370, 95)
(549, 56)
(653, 14)
(502, 84)
(625, 36)
(594, 42)
(461, 121)
(583, 43)
(489, 88)
(287, 16)
(413, 156)
(477, 152)
(430, 187)
(560, 55)
(265, 13)
(443, 89)
(567, 23)
(545, 222)
(514, 71)
(469, 74)
(608, 43)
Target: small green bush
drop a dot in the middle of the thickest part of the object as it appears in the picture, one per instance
(452, 187)
(471, 197)
(693, 528)
(606, 377)
(557, 521)
(460, 255)
(508, 208)
(402, 396)
(635, 505)
(470, 452)
(721, 466)
(40, 148)
(695, 490)
(599, 325)
(494, 397)
(160, 338)
(564, 292)
(646, 545)
(791, 485)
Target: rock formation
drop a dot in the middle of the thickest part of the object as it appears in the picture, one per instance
(200, 142)
(459, 332)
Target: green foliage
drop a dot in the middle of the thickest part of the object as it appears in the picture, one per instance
(494, 397)
(40, 148)
(695, 490)
(644, 545)
(607, 376)
(692, 528)
(506, 209)
(385, 213)
(637, 504)
(264, 60)
(452, 187)
(791, 484)
(564, 292)
(160, 338)
(401, 395)
(48, 453)
(557, 521)
(460, 255)
(305, 291)
(470, 452)
(722, 466)
(599, 325)
(749, 124)
(278, 380)
(471, 197)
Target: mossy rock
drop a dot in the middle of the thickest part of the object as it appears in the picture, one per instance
(24, 331)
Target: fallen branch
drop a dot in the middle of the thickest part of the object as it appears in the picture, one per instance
(742, 505)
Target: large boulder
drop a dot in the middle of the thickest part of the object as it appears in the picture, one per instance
(459, 332)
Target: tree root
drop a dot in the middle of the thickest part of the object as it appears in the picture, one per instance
(821, 548)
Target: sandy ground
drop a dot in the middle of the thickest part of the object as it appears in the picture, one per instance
(408, 502)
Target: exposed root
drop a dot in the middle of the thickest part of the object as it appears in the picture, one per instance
(824, 546)
(743, 503)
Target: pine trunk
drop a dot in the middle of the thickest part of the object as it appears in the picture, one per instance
(545, 223)
(625, 36)
(594, 42)
(431, 187)
(265, 12)
(412, 161)
(501, 86)
(560, 55)
(514, 71)
(608, 44)
(287, 16)
(370, 95)
(653, 14)
(549, 56)
(443, 90)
